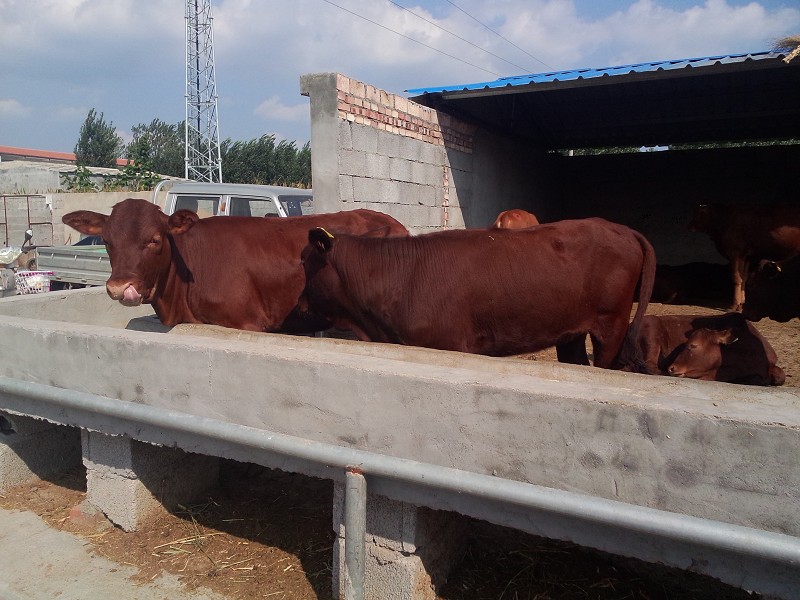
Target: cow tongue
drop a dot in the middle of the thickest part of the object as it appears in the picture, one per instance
(130, 297)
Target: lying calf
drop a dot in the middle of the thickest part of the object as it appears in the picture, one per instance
(716, 348)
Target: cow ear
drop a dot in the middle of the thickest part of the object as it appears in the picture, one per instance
(321, 239)
(181, 221)
(726, 337)
(86, 221)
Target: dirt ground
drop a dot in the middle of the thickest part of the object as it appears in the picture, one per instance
(267, 534)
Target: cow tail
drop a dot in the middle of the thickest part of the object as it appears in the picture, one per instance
(630, 357)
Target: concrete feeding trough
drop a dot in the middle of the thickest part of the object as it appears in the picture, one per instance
(622, 441)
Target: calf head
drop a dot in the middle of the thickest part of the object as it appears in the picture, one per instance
(136, 235)
(701, 356)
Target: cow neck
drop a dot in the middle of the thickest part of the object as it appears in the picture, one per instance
(169, 300)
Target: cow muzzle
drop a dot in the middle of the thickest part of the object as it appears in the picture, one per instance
(124, 292)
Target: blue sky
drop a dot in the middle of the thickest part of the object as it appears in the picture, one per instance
(125, 58)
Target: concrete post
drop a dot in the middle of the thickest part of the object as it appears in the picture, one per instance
(128, 480)
(31, 448)
(409, 549)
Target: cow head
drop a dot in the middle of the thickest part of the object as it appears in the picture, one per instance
(771, 291)
(323, 293)
(136, 235)
(701, 355)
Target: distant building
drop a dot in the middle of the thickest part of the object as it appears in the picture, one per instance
(28, 171)
(9, 153)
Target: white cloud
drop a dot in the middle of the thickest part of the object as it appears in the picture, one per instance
(126, 58)
(13, 108)
(273, 108)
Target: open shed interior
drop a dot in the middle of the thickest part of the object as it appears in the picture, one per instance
(638, 144)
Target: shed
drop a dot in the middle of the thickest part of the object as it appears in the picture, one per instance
(638, 144)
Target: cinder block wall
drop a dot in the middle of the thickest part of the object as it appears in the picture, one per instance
(428, 169)
(373, 149)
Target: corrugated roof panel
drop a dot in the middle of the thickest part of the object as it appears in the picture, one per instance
(575, 74)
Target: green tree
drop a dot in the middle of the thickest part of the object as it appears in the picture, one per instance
(161, 145)
(98, 143)
(263, 161)
(137, 175)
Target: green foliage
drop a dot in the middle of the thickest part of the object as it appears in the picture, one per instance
(262, 161)
(81, 181)
(98, 143)
(137, 175)
(161, 144)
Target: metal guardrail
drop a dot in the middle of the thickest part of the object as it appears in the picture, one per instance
(764, 561)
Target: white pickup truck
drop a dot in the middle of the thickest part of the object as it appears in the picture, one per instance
(86, 263)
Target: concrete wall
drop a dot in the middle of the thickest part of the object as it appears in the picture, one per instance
(37, 177)
(373, 149)
(706, 449)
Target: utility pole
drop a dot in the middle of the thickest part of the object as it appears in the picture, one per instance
(202, 156)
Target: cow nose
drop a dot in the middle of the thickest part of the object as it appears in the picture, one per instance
(116, 289)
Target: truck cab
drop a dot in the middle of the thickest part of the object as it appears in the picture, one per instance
(238, 200)
(86, 263)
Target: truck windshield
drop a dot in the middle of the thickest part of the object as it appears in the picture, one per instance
(297, 205)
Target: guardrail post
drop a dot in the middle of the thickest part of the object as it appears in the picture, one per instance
(355, 523)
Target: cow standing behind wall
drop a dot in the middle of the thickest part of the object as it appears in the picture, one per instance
(239, 272)
(745, 233)
(494, 292)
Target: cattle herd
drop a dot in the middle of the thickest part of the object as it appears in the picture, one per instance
(516, 287)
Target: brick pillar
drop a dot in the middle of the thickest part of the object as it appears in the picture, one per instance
(31, 448)
(409, 549)
(128, 480)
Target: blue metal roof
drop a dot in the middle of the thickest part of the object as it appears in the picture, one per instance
(578, 74)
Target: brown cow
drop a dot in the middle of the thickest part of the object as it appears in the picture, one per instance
(742, 233)
(516, 218)
(185, 266)
(487, 291)
(714, 348)
(773, 290)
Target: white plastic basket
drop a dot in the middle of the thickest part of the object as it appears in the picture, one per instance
(33, 282)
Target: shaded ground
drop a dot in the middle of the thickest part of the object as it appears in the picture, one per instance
(784, 337)
(268, 534)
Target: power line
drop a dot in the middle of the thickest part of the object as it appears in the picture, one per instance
(411, 39)
(498, 35)
(523, 69)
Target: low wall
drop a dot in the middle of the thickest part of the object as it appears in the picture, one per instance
(716, 451)
(711, 450)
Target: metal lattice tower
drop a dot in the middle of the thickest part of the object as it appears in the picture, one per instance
(203, 158)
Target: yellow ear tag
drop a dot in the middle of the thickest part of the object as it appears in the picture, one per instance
(326, 232)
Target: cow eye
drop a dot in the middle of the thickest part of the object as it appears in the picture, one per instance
(155, 241)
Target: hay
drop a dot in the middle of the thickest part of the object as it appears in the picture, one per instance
(789, 45)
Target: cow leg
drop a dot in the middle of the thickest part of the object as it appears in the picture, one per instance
(573, 352)
(607, 339)
(739, 274)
